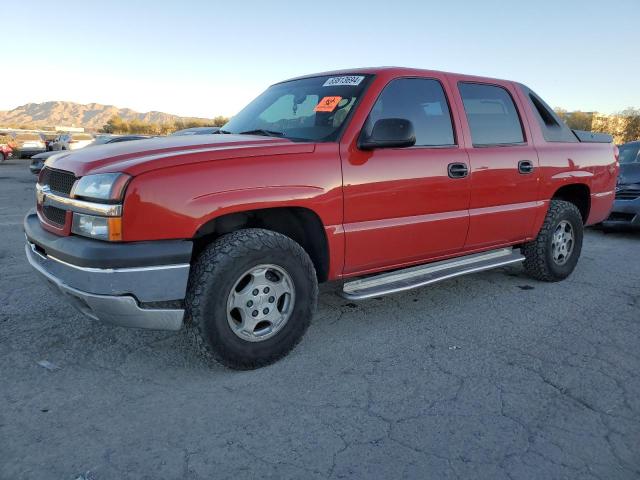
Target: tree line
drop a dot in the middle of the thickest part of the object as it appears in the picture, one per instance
(118, 125)
(624, 125)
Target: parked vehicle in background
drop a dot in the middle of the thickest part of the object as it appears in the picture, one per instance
(72, 141)
(626, 208)
(404, 177)
(48, 139)
(5, 152)
(102, 138)
(53, 144)
(196, 131)
(127, 138)
(28, 144)
(37, 161)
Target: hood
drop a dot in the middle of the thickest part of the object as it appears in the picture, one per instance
(140, 156)
(629, 173)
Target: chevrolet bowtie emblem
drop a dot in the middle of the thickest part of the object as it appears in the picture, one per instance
(41, 194)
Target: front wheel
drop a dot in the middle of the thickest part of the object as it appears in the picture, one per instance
(553, 255)
(251, 297)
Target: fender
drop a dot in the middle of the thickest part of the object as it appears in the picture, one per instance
(294, 196)
(197, 194)
(240, 200)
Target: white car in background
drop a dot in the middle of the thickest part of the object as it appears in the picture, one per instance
(72, 141)
(28, 144)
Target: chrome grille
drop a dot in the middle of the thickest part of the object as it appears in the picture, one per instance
(54, 214)
(58, 180)
(627, 194)
(621, 217)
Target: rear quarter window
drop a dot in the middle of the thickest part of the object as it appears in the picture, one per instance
(552, 127)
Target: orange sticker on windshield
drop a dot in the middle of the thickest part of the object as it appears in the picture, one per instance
(327, 104)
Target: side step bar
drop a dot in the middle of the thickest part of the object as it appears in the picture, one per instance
(414, 277)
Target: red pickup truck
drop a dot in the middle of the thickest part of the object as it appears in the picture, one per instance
(399, 177)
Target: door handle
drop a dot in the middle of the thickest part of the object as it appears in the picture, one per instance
(525, 166)
(457, 170)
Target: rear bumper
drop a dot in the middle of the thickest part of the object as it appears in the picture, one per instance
(625, 214)
(115, 283)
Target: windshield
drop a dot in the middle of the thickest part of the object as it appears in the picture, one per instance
(629, 153)
(311, 109)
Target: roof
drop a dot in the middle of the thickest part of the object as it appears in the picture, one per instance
(394, 71)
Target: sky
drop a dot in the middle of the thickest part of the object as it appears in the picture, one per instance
(209, 58)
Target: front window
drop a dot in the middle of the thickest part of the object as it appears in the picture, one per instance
(423, 102)
(311, 109)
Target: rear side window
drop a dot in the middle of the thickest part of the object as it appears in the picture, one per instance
(492, 115)
(552, 127)
(421, 101)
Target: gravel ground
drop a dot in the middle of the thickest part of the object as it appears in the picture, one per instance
(488, 376)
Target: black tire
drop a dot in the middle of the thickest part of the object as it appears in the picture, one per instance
(3, 157)
(216, 271)
(539, 261)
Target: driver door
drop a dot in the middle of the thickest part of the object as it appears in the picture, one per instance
(402, 205)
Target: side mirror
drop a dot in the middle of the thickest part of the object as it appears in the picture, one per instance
(389, 133)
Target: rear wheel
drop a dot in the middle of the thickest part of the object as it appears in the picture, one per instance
(251, 297)
(553, 255)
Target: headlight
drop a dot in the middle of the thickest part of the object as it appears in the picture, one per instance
(100, 228)
(107, 187)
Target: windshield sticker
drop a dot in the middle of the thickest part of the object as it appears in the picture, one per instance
(327, 104)
(348, 80)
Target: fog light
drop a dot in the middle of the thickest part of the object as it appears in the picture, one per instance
(100, 228)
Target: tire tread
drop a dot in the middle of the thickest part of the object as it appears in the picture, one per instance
(536, 263)
(226, 250)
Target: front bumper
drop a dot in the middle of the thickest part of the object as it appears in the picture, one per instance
(141, 284)
(625, 214)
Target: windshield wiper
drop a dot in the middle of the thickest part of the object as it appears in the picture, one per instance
(223, 132)
(262, 131)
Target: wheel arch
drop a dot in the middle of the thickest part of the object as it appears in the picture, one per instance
(301, 224)
(577, 193)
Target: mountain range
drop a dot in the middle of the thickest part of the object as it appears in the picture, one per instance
(91, 116)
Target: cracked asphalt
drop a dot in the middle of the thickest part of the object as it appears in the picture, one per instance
(490, 376)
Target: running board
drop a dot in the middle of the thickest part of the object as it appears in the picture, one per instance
(414, 277)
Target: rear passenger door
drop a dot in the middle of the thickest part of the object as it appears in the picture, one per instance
(504, 165)
(401, 205)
